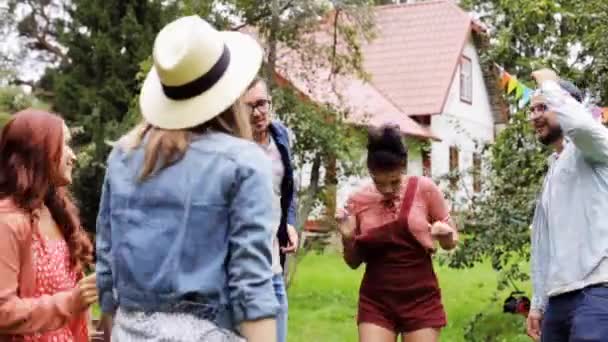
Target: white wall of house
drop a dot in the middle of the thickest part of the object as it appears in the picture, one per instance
(463, 124)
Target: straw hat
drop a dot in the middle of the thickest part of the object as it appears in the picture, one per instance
(198, 73)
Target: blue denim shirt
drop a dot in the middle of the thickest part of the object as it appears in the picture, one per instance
(196, 236)
(570, 230)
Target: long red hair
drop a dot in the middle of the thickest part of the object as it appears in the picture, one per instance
(31, 147)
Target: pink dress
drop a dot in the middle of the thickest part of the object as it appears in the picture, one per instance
(55, 274)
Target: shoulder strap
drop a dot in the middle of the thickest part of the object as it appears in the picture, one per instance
(408, 197)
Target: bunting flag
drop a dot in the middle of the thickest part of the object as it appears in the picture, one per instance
(513, 82)
(523, 93)
(527, 95)
(504, 79)
(596, 112)
(519, 91)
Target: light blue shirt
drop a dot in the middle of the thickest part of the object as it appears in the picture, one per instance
(570, 226)
(197, 234)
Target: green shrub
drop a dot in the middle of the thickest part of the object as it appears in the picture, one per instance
(4, 117)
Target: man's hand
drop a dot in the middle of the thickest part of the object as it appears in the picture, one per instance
(543, 75)
(294, 242)
(535, 318)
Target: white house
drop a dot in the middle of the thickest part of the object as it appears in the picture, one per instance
(426, 76)
(425, 61)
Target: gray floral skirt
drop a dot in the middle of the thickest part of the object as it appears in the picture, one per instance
(135, 326)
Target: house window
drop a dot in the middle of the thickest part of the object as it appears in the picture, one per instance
(426, 162)
(454, 177)
(466, 80)
(476, 172)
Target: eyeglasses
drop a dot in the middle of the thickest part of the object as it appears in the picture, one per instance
(262, 105)
(538, 109)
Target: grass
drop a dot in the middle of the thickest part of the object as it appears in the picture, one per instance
(323, 303)
(4, 117)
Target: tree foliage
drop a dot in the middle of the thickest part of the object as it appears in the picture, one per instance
(105, 43)
(565, 35)
(526, 35)
(98, 52)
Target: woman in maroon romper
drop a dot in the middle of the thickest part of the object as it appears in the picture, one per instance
(391, 226)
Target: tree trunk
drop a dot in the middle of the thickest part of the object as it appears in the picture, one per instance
(306, 205)
(272, 44)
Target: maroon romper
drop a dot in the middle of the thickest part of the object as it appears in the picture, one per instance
(399, 290)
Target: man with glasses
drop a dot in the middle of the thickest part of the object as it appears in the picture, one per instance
(570, 230)
(273, 137)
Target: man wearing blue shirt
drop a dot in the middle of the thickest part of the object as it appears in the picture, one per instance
(273, 138)
(569, 230)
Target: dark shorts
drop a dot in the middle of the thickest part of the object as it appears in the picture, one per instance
(578, 316)
(402, 316)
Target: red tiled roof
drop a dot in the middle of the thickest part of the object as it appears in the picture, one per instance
(412, 62)
(413, 59)
(361, 102)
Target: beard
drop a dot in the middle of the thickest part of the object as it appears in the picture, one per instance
(554, 135)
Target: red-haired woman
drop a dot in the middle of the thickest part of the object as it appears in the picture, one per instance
(43, 249)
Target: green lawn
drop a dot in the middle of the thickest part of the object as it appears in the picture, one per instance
(323, 301)
(4, 117)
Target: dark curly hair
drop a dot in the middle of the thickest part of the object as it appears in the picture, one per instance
(386, 150)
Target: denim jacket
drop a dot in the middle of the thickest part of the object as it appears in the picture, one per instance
(195, 236)
(570, 230)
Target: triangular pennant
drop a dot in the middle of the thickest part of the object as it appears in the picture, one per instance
(597, 112)
(519, 91)
(512, 85)
(504, 79)
(527, 96)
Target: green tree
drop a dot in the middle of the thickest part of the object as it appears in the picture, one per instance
(321, 137)
(31, 28)
(105, 42)
(527, 35)
(565, 35)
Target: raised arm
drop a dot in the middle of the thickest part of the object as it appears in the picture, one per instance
(348, 226)
(587, 134)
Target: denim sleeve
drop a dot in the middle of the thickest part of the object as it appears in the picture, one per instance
(250, 235)
(539, 262)
(577, 123)
(103, 241)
